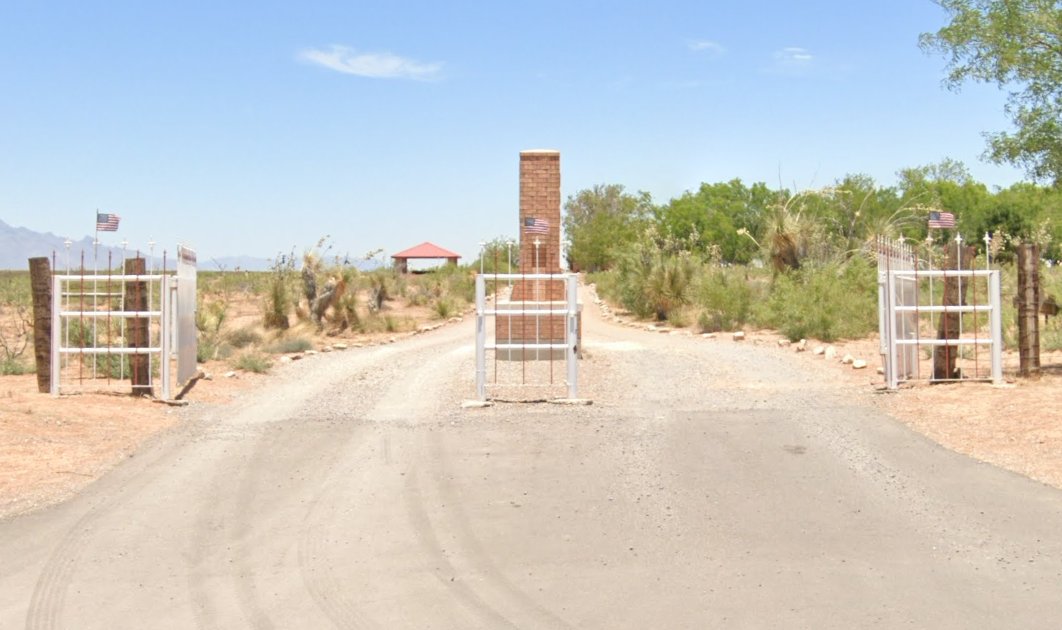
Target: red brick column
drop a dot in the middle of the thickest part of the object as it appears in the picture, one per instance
(540, 210)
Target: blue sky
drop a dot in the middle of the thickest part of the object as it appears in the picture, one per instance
(252, 128)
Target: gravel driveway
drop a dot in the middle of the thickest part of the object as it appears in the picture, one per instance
(709, 485)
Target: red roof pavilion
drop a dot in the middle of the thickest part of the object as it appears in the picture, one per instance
(424, 250)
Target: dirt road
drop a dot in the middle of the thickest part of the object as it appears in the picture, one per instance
(710, 485)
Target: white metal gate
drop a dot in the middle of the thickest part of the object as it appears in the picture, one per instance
(907, 312)
(90, 320)
(542, 315)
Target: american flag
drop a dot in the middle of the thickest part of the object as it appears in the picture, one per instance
(536, 226)
(939, 220)
(107, 222)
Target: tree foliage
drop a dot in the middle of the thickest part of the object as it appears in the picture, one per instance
(710, 220)
(601, 222)
(1016, 44)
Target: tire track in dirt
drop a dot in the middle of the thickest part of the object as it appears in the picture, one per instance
(424, 394)
(409, 395)
(446, 573)
(261, 487)
(328, 591)
(49, 593)
(499, 587)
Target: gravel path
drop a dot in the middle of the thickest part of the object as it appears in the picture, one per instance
(711, 484)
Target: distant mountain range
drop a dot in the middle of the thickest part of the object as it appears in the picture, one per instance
(18, 245)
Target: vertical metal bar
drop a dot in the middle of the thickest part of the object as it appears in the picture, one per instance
(893, 374)
(997, 328)
(901, 264)
(123, 322)
(481, 340)
(572, 335)
(549, 335)
(81, 323)
(496, 304)
(523, 327)
(883, 332)
(958, 263)
(56, 339)
(95, 305)
(973, 288)
(932, 302)
(110, 307)
(918, 317)
(166, 320)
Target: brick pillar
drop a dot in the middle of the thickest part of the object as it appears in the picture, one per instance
(540, 209)
(540, 219)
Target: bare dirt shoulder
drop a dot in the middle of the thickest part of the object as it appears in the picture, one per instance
(50, 448)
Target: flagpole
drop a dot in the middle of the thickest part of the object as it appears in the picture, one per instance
(95, 285)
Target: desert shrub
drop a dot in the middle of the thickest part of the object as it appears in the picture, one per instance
(419, 295)
(607, 283)
(205, 350)
(280, 296)
(253, 362)
(287, 345)
(16, 334)
(655, 276)
(243, 337)
(668, 285)
(113, 366)
(457, 283)
(13, 366)
(384, 285)
(828, 302)
(443, 308)
(679, 317)
(346, 312)
(725, 298)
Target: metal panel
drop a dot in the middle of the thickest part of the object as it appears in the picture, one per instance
(569, 347)
(186, 308)
(901, 278)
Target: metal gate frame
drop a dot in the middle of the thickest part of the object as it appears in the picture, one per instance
(175, 316)
(896, 313)
(571, 327)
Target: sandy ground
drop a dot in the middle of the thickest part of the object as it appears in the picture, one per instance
(50, 448)
(711, 483)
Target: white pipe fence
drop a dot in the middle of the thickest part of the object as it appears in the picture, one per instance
(544, 342)
(903, 283)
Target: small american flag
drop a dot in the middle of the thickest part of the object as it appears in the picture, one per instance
(940, 220)
(107, 222)
(536, 226)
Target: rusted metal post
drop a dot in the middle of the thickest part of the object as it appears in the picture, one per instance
(960, 257)
(1028, 309)
(136, 300)
(41, 288)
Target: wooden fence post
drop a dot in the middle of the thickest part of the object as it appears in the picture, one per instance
(948, 328)
(41, 288)
(1029, 309)
(136, 299)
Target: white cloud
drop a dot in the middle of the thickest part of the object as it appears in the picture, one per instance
(704, 45)
(793, 57)
(373, 65)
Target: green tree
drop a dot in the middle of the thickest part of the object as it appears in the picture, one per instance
(710, 221)
(499, 255)
(946, 186)
(601, 222)
(1016, 44)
